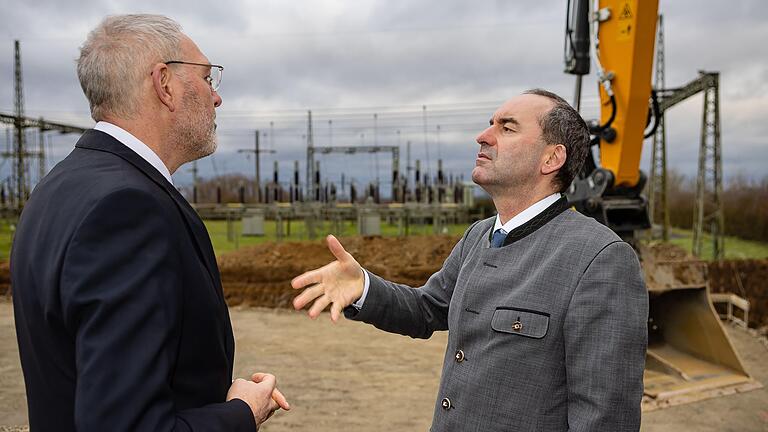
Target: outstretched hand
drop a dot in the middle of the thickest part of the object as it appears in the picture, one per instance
(339, 283)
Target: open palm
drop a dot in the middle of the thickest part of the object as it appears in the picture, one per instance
(339, 283)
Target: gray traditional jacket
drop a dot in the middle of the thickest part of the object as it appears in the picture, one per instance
(546, 333)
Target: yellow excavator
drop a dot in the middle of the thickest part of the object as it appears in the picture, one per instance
(690, 356)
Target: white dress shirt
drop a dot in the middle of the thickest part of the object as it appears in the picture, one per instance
(519, 219)
(136, 145)
(527, 214)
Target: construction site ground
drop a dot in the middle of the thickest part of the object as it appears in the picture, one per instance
(353, 376)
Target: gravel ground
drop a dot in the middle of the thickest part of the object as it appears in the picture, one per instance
(350, 376)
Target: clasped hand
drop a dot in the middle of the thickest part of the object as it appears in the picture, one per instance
(261, 395)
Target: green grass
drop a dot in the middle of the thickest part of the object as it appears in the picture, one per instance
(7, 229)
(735, 248)
(226, 239)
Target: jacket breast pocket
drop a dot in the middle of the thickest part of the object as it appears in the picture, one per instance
(522, 322)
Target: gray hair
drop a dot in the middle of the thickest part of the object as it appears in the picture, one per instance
(563, 125)
(117, 56)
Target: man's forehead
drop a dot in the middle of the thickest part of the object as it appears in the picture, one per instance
(190, 49)
(523, 106)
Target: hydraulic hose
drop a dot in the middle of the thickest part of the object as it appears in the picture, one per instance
(612, 117)
(656, 114)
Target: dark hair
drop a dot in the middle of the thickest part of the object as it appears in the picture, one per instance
(563, 125)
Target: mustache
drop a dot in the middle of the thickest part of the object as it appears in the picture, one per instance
(487, 151)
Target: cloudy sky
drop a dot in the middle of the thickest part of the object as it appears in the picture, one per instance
(368, 68)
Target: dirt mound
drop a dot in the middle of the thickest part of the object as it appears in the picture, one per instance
(260, 275)
(665, 252)
(745, 278)
(668, 266)
(5, 278)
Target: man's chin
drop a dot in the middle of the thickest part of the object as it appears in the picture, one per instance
(207, 150)
(478, 177)
(210, 149)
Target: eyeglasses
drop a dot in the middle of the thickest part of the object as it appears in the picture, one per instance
(213, 78)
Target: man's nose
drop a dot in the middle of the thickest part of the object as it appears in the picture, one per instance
(216, 99)
(484, 137)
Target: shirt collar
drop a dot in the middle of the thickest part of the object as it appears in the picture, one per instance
(527, 214)
(135, 144)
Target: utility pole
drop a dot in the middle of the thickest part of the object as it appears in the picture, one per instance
(310, 157)
(41, 154)
(257, 165)
(375, 129)
(426, 142)
(257, 168)
(408, 167)
(194, 171)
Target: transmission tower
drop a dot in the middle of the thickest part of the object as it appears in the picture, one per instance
(20, 165)
(708, 212)
(19, 154)
(658, 206)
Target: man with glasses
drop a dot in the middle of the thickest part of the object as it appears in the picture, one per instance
(120, 314)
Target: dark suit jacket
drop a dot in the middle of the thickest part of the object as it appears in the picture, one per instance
(120, 316)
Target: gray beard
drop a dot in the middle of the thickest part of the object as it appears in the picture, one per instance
(190, 139)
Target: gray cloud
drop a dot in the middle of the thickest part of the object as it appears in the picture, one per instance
(302, 55)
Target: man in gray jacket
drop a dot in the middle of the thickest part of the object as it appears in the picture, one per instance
(546, 308)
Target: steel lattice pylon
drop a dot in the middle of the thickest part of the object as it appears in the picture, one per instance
(708, 211)
(658, 207)
(20, 155)
(20, 167)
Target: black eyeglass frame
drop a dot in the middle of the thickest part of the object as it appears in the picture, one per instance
(208, 78)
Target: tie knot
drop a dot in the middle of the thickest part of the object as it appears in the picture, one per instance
(498, 238)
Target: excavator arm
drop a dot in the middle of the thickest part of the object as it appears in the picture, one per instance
(618, 35)
(690, 356)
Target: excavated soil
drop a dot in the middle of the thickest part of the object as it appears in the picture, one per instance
(748, 279)
(5, 278)
(260, 275)
(666, 265)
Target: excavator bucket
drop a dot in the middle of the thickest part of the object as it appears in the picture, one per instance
(690, 356)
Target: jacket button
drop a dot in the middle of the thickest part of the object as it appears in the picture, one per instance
(446, 403)
(517, 326)
(459, 356)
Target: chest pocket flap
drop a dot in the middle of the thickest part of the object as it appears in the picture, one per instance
(523, 322)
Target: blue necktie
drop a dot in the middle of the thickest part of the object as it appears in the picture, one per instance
(498, 238)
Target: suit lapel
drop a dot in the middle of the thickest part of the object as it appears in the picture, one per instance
(100, 141)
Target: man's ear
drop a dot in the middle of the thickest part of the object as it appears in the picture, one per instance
(161, 83)
(555, 159)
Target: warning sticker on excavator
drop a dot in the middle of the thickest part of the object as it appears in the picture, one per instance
(626, 11)
(625, 21)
